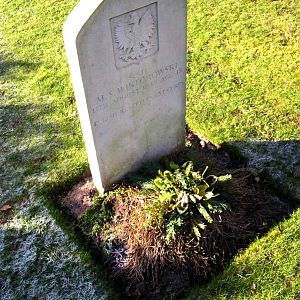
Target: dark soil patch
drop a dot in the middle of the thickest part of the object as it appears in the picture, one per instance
(254, 209)
(80, 197)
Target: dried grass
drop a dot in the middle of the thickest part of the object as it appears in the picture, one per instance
(145, 254)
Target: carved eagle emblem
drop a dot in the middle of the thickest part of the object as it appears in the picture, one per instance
(133, 37)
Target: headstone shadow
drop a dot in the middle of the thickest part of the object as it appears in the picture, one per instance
(7, 64)
(280, 161)
(25, 148)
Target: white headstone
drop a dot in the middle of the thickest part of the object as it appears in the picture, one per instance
(128, 65)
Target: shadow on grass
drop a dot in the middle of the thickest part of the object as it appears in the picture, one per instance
(266, 268)
(24, 150)
(30, 142)
(279, 160)
(30, 148)
(7, 65)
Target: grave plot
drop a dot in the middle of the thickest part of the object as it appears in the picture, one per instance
(152, 250)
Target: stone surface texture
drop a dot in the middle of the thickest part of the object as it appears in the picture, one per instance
(128, 65)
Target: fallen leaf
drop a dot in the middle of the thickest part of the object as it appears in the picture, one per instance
(253, 287)
(5, 207)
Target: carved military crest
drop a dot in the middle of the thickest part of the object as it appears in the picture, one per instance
(134, 35)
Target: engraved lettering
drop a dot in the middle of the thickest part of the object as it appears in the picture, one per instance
(131, 94)
(101, 98)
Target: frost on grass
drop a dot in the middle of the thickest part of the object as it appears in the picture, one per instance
(281, 159)
(24, 145)
(37, 261)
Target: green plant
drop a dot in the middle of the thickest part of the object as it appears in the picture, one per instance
(186, 200)
(98, 215)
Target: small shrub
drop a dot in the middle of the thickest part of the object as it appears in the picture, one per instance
(186, 202)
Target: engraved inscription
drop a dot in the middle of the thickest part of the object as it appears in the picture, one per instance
(137, 86)
(130, 99)
(135, 35)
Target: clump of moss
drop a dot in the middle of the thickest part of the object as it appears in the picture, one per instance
(97, 218)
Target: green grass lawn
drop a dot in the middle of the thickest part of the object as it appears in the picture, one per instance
(243, 86)
(37, 98)
(40, 146)
(244, 90)
(243, 79)
(268, 269)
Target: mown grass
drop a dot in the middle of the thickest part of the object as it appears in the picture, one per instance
(268, 269)
(243, 84)
(40, 147)
(243, 78)
(37, 98)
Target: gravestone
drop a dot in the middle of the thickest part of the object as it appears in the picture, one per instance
(128, 65)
